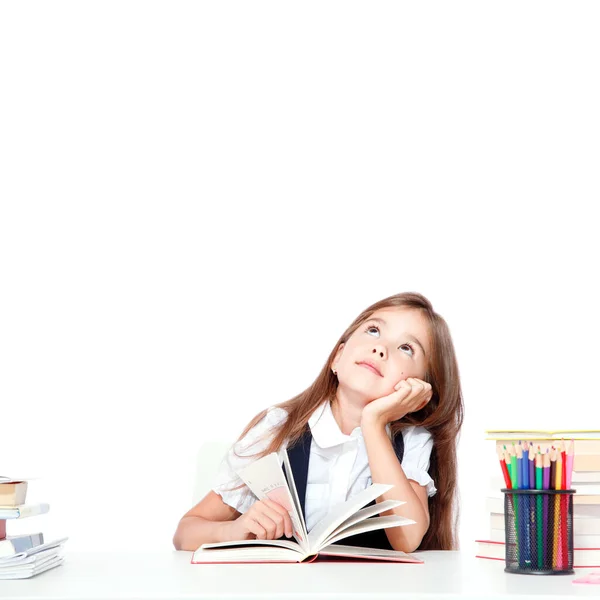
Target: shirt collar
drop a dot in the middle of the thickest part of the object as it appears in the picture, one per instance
(325, 430)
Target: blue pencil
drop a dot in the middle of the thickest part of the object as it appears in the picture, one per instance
(520, 466)
(525, 466)
(532, 506)
(531, 468)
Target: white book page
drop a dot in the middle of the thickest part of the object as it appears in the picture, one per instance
(282, 543)
(244, 555)
(318, 534)
(290, 474)
(369, 553)
(370, 525)
(266, 480)
(367, 512)
(41, 550)
(30, 570)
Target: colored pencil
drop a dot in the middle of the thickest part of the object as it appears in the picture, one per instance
(570, 454)
(519, 466)
(531, 503)
(539, 509)
(520, 520)
(558, 508)
(513, 468)
(504, 469)
(506, 456)
(525, 507)
(525, 466)
(568, 500)
(554, 512)
(531, 468)
(563, 554)
(563, 458)
(546, 471)
(546, 486)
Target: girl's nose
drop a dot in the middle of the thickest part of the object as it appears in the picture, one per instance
(380, 351)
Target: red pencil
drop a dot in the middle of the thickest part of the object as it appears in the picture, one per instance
(564, 464)
(504, 469)
(564, 507)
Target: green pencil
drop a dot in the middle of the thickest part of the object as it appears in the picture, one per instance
(515, 498)
(539, 516)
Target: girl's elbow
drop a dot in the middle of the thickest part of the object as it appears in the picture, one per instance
(409, 543)
(180, 541)
(407, 546)
(177, 542)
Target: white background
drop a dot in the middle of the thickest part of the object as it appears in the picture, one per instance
(198, 198)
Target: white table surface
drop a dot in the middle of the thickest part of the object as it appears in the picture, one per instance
(169, 575)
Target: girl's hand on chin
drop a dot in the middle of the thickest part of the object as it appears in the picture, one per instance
(410, 395)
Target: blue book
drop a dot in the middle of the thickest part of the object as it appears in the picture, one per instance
(13, 544)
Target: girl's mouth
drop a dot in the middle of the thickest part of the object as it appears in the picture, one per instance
(370, 367)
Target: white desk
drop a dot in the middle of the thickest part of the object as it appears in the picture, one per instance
(170, 576)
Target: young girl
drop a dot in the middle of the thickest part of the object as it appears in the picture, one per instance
(386, 408)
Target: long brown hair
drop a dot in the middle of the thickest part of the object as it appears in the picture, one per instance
(442, 416)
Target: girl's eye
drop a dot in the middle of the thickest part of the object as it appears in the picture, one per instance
(412, 350)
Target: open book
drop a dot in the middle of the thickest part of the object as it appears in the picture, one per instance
(267, 480)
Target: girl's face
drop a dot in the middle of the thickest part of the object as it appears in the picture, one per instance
(396, 342)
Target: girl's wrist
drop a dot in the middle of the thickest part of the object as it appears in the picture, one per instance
(372, 422)
(228, 532)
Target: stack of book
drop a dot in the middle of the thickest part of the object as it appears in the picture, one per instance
(585, 480)
(23, 555)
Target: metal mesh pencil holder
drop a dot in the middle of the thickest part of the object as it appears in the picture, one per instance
(539, 531)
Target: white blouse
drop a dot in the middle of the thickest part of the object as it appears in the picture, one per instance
(338, 468)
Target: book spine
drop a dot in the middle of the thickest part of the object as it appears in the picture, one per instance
(22, 512)
(13, 494)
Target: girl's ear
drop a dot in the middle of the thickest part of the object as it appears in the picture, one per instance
(338, 353)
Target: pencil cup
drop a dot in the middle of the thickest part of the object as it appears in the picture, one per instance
(539, 531)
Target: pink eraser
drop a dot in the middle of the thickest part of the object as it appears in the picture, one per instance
(589, 578)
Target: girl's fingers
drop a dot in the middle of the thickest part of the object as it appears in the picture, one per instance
(287, 521)
(271, 527)
(410, 391)
(257, 529)
(420, 392)
(419, 384)
(402, 384)
(276, 513)
(422, 388)
(416, 384)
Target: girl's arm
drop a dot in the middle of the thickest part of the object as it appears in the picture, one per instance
(212, 521)
(410, 395)
(385, 468)
(208, 522)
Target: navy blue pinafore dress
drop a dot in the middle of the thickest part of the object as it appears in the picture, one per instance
(299, 456)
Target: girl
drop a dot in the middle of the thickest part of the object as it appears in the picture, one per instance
(386, 408)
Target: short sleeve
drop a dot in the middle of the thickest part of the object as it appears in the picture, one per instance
(418, 444)
(228, 484)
